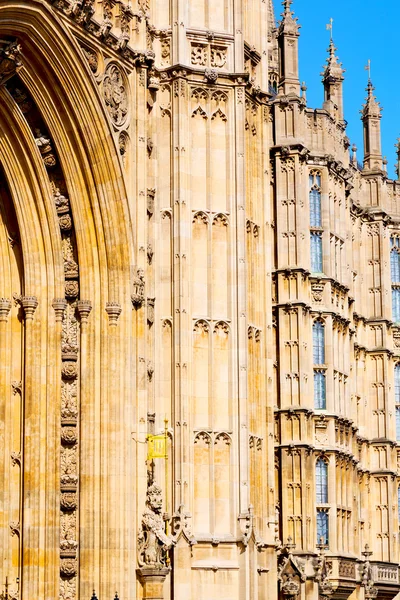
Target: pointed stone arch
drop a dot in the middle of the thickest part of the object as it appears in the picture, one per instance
(62, 87)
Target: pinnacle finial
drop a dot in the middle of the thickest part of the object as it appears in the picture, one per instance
(289, 23)
(371, 108)
(368, 68)
(329, 27)
(287, 5)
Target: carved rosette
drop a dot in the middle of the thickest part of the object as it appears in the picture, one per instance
(115, 94)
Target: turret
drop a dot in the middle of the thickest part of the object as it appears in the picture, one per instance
(371, 118)
(288, 34)
(332, 78)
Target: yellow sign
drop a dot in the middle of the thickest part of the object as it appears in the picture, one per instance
(156, 447)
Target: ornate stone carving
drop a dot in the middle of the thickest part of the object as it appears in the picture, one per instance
(65, 222)
(150, 253)
(138, 289)
(71, 289)
(211, 75)
(199, 55)
(153, 542)
(123, 143)
(218, 56)
(115, 96)
(323, 571)
(290, 571)
(367, 579)
(15, 528)
(15, 458)
(69, 370)
(84, 308)
(61, 202)
(69, 478)
(10, 61)
(68, 567)
(150, 311)
(91, 57)
(29, 304)
(67, 589)
(113, 309)
(180, 525)
(68, 501)
(151, 192)
(317, 291)
(69, 435)
(45, 148)
(5, 307)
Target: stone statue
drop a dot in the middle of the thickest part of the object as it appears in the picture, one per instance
(138, 289)
(153, 541)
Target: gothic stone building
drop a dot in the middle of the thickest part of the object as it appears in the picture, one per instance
(189, 251)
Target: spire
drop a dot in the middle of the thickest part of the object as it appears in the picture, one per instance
(271, 20)
(288, 33)
(332, 78)
(371, 116)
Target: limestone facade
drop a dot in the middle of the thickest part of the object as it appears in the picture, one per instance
(188, 250)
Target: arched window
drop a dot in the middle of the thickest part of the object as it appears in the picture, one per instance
(318, 343)
(321, 481)
(397, 398)
(395, 259)
(315, 221)
(315, 200)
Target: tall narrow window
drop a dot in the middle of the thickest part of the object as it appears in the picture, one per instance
(318, 343)
(322, 526)
(319, 389)
(315, 222)
(395, 276)
(398, 504)
(397, 398)
(321, 481)
(318, 360)
(321, 498)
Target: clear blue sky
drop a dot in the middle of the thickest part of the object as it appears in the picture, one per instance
(362, 30)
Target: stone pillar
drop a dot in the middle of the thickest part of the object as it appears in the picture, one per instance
(152, 580)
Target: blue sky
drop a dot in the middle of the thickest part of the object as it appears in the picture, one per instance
(362, 30)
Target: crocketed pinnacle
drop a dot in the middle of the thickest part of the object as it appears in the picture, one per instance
(371, 108)
(289, 24)
(333, 68)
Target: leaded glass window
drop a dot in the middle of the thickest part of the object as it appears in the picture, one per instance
(395, 259)
(396, 304)
(321, 481)
(397, 398)
(318, 343)
(322, 526)
(319, 389)
(315, 208)
(316, 251)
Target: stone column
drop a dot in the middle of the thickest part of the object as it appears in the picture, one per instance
(152, 580)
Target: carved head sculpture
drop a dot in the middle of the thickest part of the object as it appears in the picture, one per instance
(154, 498)
(140, 274)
